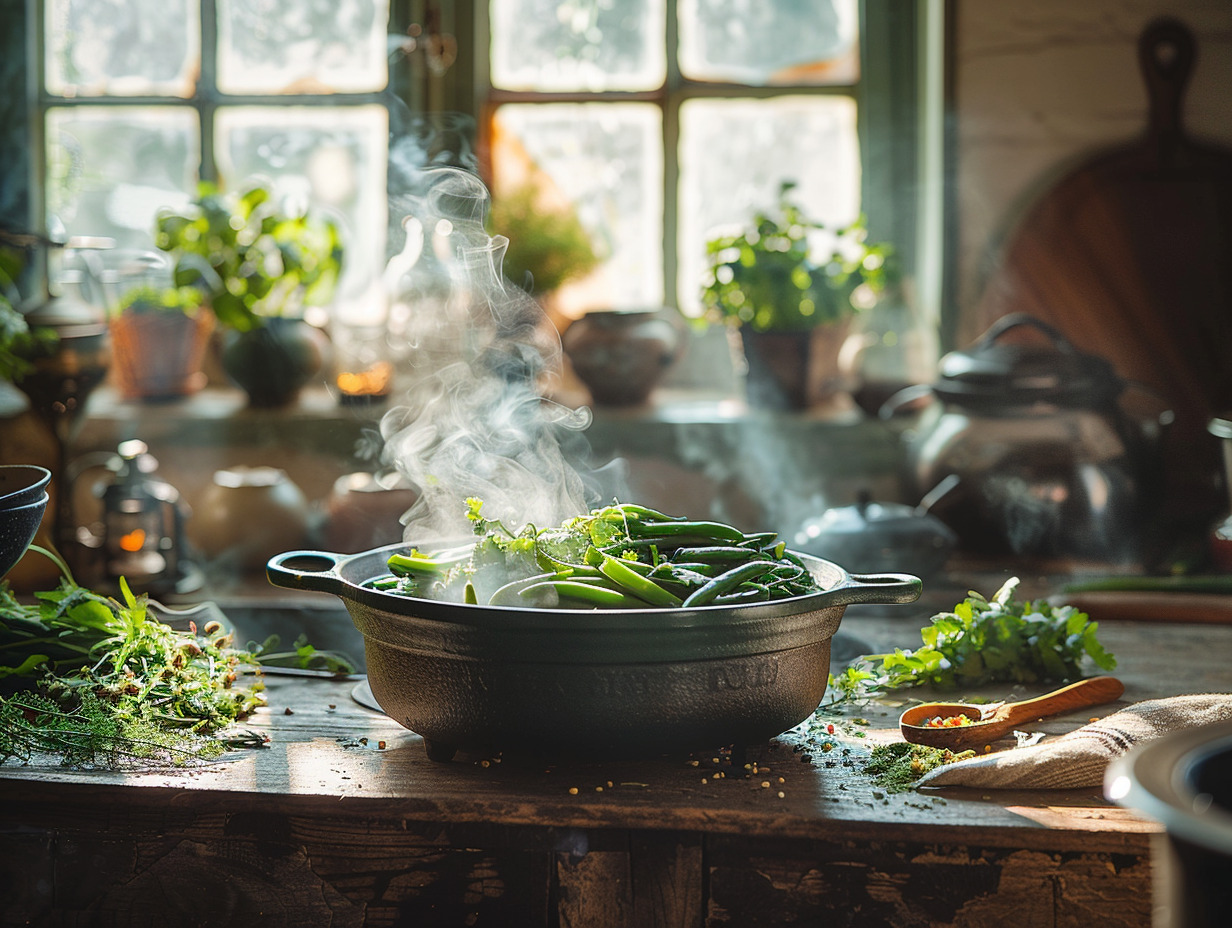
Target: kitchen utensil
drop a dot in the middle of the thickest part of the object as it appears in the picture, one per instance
(607, 682)
(1047, 460)
(1130, 252)
(994, 720)
(22, 483)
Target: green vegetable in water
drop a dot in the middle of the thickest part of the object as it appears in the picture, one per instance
(619, 556)
(983, 641)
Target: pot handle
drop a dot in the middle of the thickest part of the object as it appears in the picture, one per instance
(305, 570)
(886, 588)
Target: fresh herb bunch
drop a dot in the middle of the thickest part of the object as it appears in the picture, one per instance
(619, 556)
(983, 641)
(93, 679)
(770, 276)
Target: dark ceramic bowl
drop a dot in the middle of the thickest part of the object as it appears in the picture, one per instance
(18, 527)
(21, 484)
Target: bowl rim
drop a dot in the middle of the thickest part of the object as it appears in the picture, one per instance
(42, 479)
(35, 504)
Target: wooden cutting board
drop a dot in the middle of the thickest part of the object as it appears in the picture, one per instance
(1130, 255)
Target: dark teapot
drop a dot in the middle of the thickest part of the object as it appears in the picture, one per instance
(1049, 460)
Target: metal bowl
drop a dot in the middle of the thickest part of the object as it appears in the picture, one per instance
(610, 682)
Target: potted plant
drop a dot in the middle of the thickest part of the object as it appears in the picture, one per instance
(259, 266)
(159, 336)
(790, 287)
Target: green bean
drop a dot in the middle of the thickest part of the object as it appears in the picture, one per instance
(507, 594)
(418, 563)
(715, 531)
(714, 554)
(646, 513)
(583, 592)
(624, 576)
(726, 582)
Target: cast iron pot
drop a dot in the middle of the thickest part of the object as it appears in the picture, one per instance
(612, 682)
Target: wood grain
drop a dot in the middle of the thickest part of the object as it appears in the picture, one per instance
(343, 820)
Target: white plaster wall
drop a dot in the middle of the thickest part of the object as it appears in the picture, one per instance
(1042, 84)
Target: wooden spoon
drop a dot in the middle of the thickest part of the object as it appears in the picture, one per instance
(992, 721)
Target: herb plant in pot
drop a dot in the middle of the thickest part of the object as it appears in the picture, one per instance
(260, 266)
(159, 332)
(790, 287)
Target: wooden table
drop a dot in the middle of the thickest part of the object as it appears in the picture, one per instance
(342, 820)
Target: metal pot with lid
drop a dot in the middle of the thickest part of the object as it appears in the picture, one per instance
(1050, 459)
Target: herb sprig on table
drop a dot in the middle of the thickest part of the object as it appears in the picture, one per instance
(92, 680)
(995, 640)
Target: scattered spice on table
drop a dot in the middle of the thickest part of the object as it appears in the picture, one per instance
(896, 767)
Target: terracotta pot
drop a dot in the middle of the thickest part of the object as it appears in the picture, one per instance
(273, 363)
(621, 355)
(794, 370)
(158, 355)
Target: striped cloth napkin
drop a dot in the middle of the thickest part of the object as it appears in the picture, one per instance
(1077, 760)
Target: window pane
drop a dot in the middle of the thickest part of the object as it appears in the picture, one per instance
(122, 47)
(607, 160)
(332, 158)
(110, 170)
(320, 46)
(577, 45)
(769, 41)
(735, 153)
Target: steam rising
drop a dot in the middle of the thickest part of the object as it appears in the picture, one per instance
(475, 421)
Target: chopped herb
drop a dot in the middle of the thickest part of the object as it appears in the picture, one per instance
(896, 767)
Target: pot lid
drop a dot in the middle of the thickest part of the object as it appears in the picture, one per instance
(993, 371)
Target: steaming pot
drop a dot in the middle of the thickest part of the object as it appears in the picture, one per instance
(610, 682)
(1048, 459)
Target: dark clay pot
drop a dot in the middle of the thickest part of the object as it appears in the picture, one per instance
(621, 355)
(273, 363)
(793, 370)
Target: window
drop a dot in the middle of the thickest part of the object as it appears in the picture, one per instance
(141, 98)
(658, 120)
(664, 120)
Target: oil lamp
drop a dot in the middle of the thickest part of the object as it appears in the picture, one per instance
(143, 525)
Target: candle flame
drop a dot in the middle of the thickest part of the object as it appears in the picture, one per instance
(133, 541)
(373, 381)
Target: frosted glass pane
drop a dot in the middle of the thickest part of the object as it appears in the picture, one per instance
(110, 170)
(734, 154)
(330, 158)
(590, 45)
(770, 41)
(607, 160)
(122, 47)
(312, 46)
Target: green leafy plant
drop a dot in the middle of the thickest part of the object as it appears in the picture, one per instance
(251, 258)
(93, 680)
(1002, 639)
(769, 276)
(548, 246)
(19, 344)
(147, 299)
